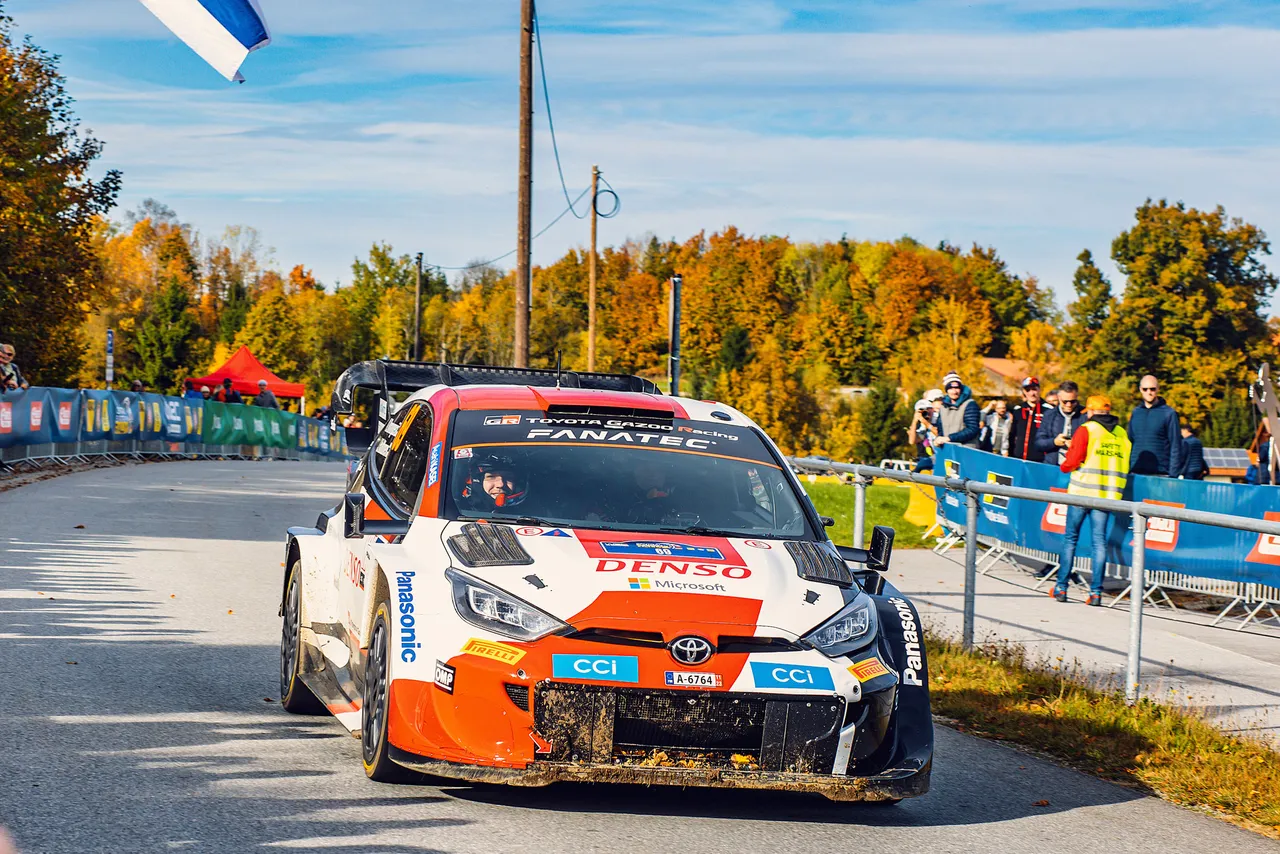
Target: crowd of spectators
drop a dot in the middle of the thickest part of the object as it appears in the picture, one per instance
(1041, 429)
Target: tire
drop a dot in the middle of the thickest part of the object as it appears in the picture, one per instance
(295, 697)
(375, 710)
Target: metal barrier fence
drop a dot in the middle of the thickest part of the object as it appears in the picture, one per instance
(34, 457)
(972, 489)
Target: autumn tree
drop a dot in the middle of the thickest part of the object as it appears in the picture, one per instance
(272, 331)
(163, 339)
(48, 207)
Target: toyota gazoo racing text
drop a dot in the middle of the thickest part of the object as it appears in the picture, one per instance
(536, 577)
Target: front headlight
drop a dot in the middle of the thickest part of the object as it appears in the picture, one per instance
(851, 628)
(489, 608)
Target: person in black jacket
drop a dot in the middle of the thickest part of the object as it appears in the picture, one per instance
(1155, 434)
(1060, 422)
(1193, 464)
(1026, 423)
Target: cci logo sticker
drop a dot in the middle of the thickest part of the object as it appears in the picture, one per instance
(791, 676)
(603, 668)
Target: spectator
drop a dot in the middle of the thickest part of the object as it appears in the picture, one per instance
(189, 391)
(10, 376)
(226, 394)
(1051, 399)
(1096, 462)
(1153, 429)
(137, 386)
(957, 419)
(920, 435)
(1059, 423)
(997, 426)
(265, 397)
(1193, 464)
(1026, 423)
(205, 392)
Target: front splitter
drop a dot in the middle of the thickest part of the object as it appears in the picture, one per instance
(889, 786)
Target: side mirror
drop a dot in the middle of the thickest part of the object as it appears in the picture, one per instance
(881, 547)
(359, 439)
(354, 525)
(827, 521)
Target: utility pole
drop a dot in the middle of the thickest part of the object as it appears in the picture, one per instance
(591, 276)
(524, 204)
(674, 322)
(417, 312)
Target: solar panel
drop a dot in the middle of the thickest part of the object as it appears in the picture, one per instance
(1227, 458)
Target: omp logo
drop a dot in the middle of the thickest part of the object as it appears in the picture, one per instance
(493, 649)
(660, 567)
(445, 676)
(1267, 548)
(1054, 519)
(409, 644)
(671, 584)
(1162, 534)
(911, 642)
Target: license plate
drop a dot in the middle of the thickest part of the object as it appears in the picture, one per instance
(688, 679)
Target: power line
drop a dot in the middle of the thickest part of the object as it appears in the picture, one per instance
(551, 123)
(544, 230)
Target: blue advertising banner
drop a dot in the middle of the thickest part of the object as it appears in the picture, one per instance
(1199, 550)
(193, 419)
(24, 417)
(173, 417)
(151, 416)
(64, 415)
(96, 413)
(124, 416)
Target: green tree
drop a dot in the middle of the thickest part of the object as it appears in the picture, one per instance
(1230, 423)
(1093, 301)
(883, 421)
(1014, 302)
(48, 206)
(163, 339)
(271, 330)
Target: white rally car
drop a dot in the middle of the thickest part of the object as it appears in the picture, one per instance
(540, 576)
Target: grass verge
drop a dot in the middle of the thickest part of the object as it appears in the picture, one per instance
(885, 506)
(994, 693)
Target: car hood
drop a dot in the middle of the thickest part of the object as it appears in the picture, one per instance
(645, 582)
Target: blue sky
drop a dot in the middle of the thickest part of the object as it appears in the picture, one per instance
(1036, 127)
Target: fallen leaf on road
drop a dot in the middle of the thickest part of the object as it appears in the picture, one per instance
(173, 595)
(1040, 804)
(229, 611)
(79, 526)
(267, 700)
(73, 662)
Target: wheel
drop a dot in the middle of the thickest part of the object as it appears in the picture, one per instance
(375, 711)
(295, 697)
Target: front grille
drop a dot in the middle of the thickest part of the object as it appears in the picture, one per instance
(707, 722)
(600, 724)
(819, 562)
(519, 694)
(488, 545)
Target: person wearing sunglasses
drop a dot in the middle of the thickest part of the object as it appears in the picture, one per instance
(1059, 423)
(1155, 433)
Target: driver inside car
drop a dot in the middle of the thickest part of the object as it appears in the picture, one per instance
(653, 502)
(496, 482)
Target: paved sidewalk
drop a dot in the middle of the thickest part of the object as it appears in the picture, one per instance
(1232, 677)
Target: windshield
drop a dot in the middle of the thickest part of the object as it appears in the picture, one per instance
(631, 474)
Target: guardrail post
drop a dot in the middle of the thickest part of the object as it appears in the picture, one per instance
(970, 564)
(859, 511)
(1137, 593)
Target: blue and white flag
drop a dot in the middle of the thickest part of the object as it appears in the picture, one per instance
(223, 32)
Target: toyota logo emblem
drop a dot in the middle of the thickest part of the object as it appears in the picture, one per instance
(691, 650)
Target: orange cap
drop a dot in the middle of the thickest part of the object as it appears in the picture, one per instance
(1098, 402)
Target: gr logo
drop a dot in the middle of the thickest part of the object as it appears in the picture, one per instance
(600, 668)
(768, 675)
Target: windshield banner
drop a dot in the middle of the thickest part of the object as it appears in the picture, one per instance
(531, 428)
(1203, 551)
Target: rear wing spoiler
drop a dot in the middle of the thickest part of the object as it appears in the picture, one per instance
(384, 376)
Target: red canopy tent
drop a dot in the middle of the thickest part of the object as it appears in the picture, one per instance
(245, 370)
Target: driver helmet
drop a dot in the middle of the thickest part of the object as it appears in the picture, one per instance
(497, 480)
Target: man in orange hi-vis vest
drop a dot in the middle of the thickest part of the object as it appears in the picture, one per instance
(1098, 462)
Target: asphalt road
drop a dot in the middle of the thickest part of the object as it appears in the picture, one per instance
(139, 654)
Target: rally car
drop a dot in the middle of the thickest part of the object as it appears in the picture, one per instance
(538, 576)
